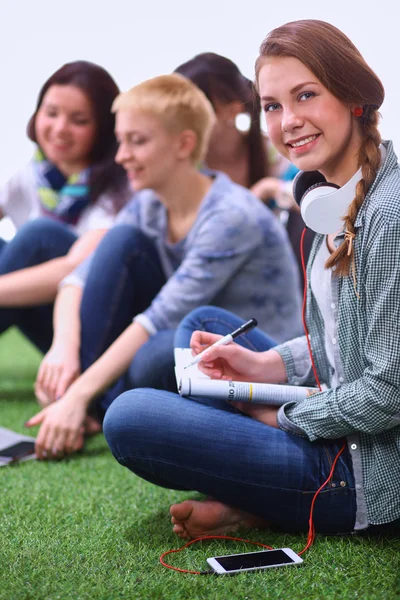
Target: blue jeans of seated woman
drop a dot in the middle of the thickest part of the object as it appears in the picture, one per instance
(206, 445)
(34, 243)
(218, 320)
(124, 277)
(153, 366)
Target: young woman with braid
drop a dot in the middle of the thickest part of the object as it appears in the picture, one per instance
(320, 100)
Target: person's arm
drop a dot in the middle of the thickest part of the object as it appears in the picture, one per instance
(234, 362)
(38, 285)
(61, 365)
(61, 422)
(371, 403)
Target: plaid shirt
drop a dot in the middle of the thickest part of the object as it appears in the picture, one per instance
(365, 407)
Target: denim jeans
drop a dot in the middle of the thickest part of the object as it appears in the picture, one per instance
(35, 243)
(206, 445)
(124, 277)
(218, 320)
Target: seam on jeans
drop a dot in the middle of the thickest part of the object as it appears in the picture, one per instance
(206, 320)
(122, 461)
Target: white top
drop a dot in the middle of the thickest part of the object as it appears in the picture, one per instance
(20, 202)
(321, 285)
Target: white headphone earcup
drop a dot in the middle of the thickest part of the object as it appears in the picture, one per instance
(321, 210)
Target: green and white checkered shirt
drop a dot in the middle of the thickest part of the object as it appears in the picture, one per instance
(365, 407)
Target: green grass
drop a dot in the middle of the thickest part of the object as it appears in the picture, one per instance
(86, 528)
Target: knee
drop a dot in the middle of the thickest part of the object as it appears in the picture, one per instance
(124, 238)
(197, 319)
(126, 416)
(40, 228)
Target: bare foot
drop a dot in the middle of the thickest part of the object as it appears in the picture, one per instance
(193, 519)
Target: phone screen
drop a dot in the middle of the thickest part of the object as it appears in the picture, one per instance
(251, 560)
(18, 450)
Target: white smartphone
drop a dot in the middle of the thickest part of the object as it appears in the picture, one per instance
(252, 561)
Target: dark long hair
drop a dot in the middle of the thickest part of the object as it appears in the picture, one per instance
(100, 89)
(220, 79)
(339, 66)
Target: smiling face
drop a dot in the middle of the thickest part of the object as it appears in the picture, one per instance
(65, 128)
(305, 122)
(148, 152)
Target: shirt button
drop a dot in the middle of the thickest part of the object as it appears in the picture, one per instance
(334, 268)
(341, 379)
(358, 486)
(334, 340)
(333, 305)
(353, 446)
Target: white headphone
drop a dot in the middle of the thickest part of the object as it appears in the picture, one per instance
(323, 205)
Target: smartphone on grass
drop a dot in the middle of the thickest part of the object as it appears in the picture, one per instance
(254, 561)
(17, 451)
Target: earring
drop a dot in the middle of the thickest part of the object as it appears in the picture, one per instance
(358, 111)
(243, 122)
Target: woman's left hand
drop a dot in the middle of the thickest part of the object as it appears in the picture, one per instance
(260, 412)
(61, 430)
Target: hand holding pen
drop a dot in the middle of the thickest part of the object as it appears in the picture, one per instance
(227, 339)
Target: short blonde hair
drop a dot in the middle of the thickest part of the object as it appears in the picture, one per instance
(178, 102)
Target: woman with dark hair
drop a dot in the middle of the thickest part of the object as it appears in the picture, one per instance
(262, 465)
(246, 156)
(71, 189)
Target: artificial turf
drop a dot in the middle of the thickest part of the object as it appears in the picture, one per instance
(85, 528)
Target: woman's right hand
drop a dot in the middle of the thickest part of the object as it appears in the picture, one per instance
(233, 362)
(58, 369)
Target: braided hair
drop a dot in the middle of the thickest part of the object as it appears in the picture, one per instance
(342, 70)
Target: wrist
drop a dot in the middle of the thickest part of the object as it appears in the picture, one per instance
(274, 370)
(78, 396)
(70, 343)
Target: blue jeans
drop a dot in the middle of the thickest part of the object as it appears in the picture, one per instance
(35, 243)
(153, 366)
(218, 320)
(206, 445)
(124, 277)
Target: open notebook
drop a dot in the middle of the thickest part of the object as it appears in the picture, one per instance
(192, 382)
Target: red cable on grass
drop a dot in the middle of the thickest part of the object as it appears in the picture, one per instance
(200, 539)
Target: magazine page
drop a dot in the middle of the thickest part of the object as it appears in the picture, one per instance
(192, 382)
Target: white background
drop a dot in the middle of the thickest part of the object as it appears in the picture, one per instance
(136, 40)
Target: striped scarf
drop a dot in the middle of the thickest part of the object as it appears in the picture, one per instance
(62, 198)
